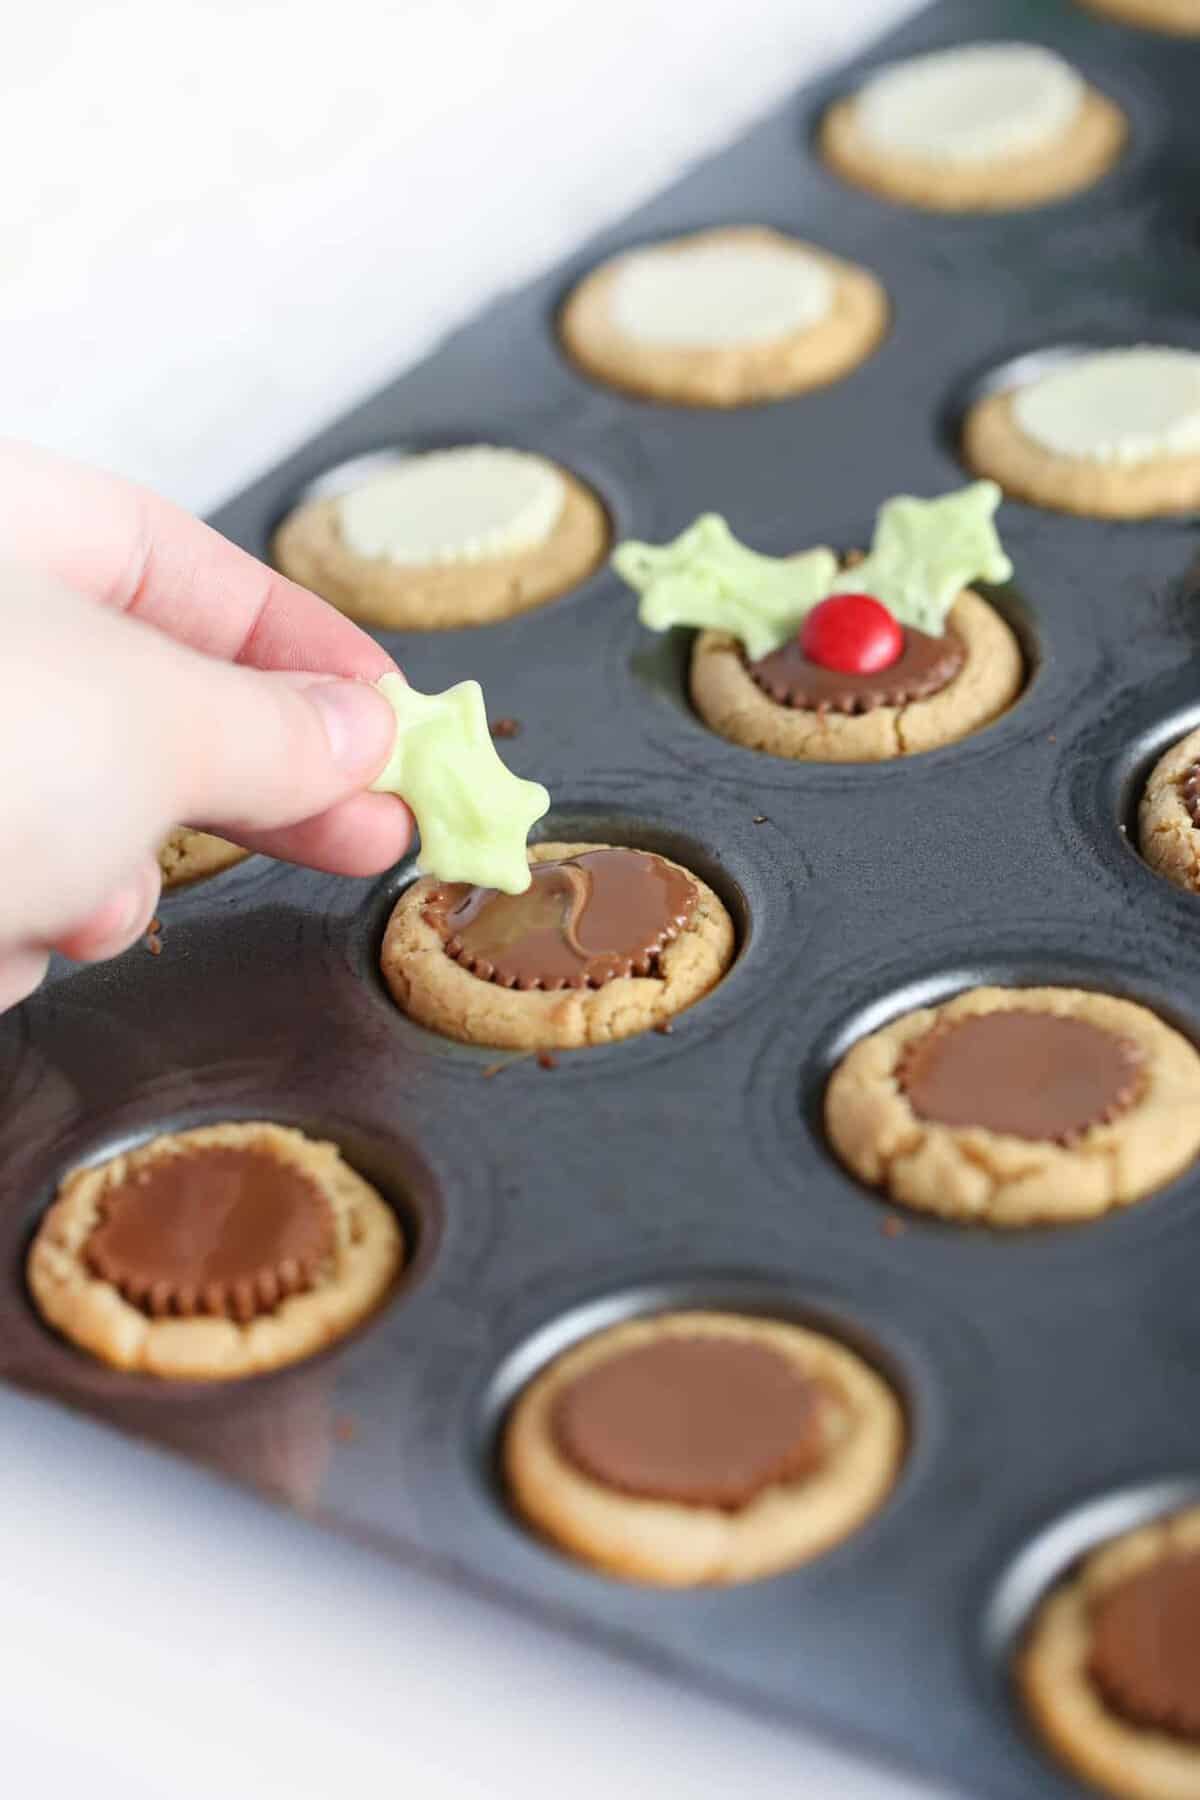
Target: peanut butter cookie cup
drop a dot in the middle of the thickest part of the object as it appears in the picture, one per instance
(431, 542)
(724, 318)
(1112, 435)
(1018, 1106)
(606, 942)
(208, 1254)
(977, 128)
(699, 1447)
(1169, 814)
(857, 659)
(186, 855)
(1181, 17)
(1110, 1668)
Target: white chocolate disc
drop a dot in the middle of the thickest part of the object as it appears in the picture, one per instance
(451, 506)
(716, 296)
(1118, 406)
(978, 104)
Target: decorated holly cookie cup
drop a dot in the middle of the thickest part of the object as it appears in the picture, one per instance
(859, 661)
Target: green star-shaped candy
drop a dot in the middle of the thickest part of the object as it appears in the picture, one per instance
(707, 579)
(473, 814)
(925, 552)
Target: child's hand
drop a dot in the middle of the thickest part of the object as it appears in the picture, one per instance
(132, 698)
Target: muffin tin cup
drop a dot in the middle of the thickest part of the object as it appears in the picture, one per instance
(1039, 1369)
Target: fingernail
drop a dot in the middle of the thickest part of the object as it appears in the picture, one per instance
(359, 724)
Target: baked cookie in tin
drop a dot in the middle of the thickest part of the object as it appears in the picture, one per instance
(853, 659)
(723, 318)
(446, 538)
(185, 856)
(976, 128)
(697, 1448)
(1169, 814)
(1018, 1106)
(607, 941)
(1181, 17)
(1110, 435)
(1110, 1666)
(219, 1252)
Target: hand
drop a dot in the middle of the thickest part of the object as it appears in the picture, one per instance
(152, 675)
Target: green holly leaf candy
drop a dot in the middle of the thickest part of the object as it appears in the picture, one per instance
(473, 814)
(706, 579)
(925, 552)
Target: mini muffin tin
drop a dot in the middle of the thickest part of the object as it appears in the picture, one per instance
(1048, 1375)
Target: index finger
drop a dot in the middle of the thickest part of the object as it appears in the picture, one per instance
(131, 550)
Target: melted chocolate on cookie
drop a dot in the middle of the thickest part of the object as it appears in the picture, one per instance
(583, 921)
(925, 666)
(699, 1421)
(1145, 1650)
(1189, 791)
(224, 1231)
(1023, 1073)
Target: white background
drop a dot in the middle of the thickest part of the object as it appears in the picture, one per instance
(223, 222)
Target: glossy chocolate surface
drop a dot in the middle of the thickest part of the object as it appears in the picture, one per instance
(925, 666)
(583, 921)
(223, 1231)
(1145, 1650)
(701, 1421)
(1025, 1073)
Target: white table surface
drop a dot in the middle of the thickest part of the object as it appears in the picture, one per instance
(226, 220)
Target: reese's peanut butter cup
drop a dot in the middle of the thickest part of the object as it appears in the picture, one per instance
(224, 1231)
(1145, 1650)
(584, 921)
(925, 666)
(701, 1421)
(213, 1253)
(696, 1447)
(1026, 1074)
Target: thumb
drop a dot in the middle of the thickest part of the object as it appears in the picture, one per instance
(110, 733)
(255, 752)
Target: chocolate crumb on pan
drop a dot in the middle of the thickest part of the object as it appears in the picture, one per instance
(505, 728)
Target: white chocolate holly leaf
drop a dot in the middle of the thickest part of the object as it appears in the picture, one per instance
(707, 580)
(473, 814)
(925, 552)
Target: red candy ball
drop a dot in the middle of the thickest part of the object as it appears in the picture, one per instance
(852, 633)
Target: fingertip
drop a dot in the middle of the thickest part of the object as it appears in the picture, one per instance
(21, 972)
(364, 835)
(119, 921)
